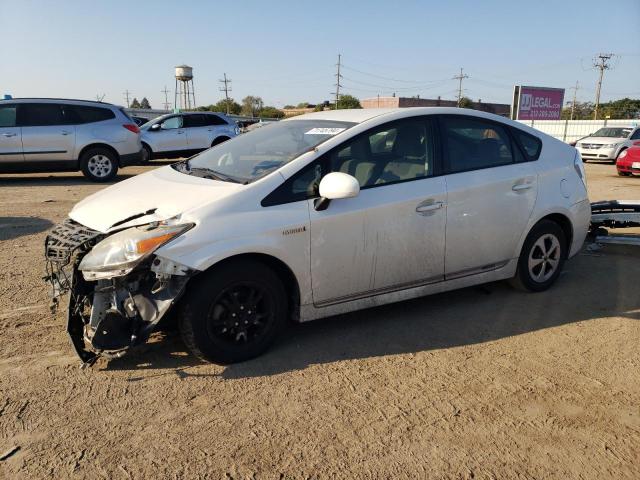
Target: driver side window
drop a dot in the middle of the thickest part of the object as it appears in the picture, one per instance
(172, 123)
(396, 152)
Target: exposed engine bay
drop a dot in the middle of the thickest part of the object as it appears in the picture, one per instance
(109, 313)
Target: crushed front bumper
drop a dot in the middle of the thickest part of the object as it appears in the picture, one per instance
(107, 317)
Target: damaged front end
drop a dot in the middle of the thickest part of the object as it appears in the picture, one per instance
(118, 288)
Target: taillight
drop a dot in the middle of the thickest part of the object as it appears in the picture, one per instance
(131, 127)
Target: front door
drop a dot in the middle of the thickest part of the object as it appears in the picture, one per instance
(391, 236)
(48, 135)
(10, 135)
(171, 137)
(198, 135)
(491, 194)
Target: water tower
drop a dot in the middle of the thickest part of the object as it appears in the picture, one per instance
(185, 96)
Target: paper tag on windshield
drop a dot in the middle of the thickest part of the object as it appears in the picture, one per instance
(324, 131)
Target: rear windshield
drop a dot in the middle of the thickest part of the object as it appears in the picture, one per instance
(257, 153)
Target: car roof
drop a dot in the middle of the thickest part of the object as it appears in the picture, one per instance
(364, 114)
(57, 100)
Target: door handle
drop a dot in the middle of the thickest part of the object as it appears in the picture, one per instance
(9, 134)
(66, 132)
(429, 206)
(519, 187)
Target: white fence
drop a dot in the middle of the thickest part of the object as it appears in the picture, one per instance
(571, 130)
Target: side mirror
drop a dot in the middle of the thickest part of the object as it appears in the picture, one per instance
(334, 186)
(154, 127)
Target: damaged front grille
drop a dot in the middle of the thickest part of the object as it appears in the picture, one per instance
(63, 244)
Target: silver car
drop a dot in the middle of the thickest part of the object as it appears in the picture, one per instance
(47, 135)
(185, 134)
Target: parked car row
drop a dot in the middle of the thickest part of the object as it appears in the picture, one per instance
(47, 135)
(607, 143)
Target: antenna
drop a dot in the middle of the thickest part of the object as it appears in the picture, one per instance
(337, 84)
(166, 98)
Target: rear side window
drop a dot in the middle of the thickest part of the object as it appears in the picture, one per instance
(8, 115)
(472, 144)
(41, 115)
(86, 114)
(195, 120)
(214, 120)
(530, 145)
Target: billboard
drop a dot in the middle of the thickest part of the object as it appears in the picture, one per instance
(537, 103)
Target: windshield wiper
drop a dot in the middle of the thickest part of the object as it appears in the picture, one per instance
(214, 175)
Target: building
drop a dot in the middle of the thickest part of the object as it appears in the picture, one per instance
(502, 109)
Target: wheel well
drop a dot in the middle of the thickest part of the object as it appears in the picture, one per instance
(145, 144)
(565, 224)
(282, 270)
(100, 145)
(220, 139)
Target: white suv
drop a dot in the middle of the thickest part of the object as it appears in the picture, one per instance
(313, 216)
(185, 134)
(49, 135)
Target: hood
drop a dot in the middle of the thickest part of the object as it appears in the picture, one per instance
(152, 196)
(603, 140)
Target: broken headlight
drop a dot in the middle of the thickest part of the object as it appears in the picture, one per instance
(119, 253)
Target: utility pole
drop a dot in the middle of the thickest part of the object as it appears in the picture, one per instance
(601, 62)
(575, 93)
(338, 77)
(226, 89)
(126, 94)
(460, 78)
(166, 98)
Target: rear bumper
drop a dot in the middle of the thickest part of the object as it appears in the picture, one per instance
(131, 159)
(580, 219)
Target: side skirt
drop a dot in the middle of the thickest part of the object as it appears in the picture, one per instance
(310, 312)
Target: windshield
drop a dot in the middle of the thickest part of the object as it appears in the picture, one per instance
(257, 153)
(613, 132)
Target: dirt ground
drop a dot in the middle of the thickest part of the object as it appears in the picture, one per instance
(478, 383)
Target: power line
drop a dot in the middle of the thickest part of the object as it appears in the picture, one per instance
(226, 89)
(601, 62)
(460, 78)
(338, 77)
(387, 78)
(126, 94)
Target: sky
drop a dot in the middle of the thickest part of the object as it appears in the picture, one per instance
(286, 51)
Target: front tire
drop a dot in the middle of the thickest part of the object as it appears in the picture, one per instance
(233, 313)
(542, 257)
(219, 140)
(624, 174)
(99, 164)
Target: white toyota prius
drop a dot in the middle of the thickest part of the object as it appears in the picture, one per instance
(313, 216)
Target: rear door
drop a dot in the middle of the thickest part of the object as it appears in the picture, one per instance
(198, 136)
(491, 194)
(10, 135)
(48, 133)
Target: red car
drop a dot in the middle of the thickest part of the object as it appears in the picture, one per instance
(629, 161)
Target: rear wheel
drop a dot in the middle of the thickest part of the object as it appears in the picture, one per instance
(542, 257)
(99, 164)
(233, 313)
(146, 154)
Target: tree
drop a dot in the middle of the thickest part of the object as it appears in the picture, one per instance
(221, 106)
(466, 102)
(303, 105)
(270, 112)
(144, 103)
(251, 105)
(135, 103)
(348, 101)
(288, 107)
